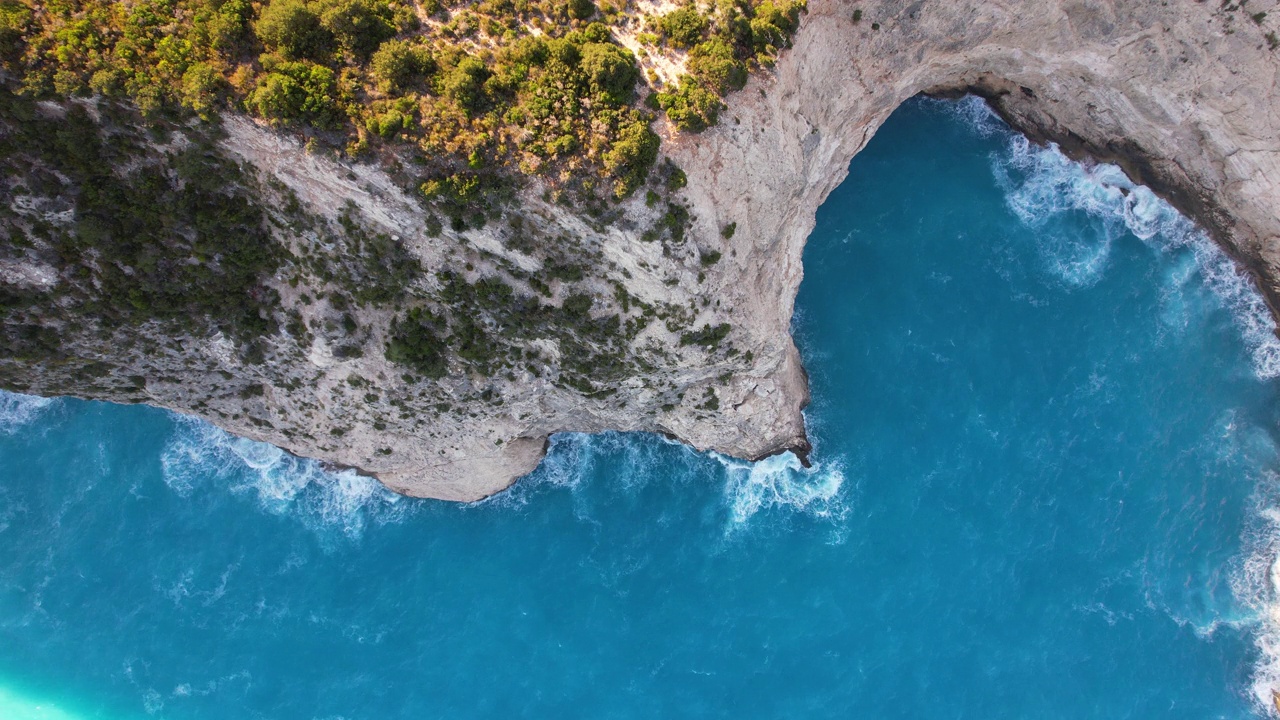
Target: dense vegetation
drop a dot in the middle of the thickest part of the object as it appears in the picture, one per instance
(536, 86)
(723, 44)
(147, 234)
(128, 201)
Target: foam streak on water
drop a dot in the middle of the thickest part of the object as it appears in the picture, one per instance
(1043, 187)
(19, 410)
(200, 454)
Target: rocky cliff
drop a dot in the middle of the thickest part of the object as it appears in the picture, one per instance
(1181, 93)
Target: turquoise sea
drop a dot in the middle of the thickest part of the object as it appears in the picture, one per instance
(1044, 486)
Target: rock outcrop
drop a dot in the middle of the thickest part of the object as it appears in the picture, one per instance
(1182, 94)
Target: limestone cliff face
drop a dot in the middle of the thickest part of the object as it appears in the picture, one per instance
(1182, 93)
(745, 402)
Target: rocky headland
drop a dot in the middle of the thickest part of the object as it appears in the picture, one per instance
(1182, 94)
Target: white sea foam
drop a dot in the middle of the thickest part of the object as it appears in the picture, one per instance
(17, 410)
(569, 460)
(1255, 582)
(1042, 186)
(1257, 586)
(975, 113)
(200, 453)
(781, 482)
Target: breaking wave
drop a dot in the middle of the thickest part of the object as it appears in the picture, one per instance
(1256, 585)
(1042, 184)
(781, 482)
(17, 410)
(1056, 196)
(200, 454)
(625, 462)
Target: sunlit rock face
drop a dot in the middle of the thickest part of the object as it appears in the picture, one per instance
(1179, 94)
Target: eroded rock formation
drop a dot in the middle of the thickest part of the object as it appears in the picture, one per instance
(1182, 94)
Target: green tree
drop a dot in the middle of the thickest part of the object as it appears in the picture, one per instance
(293, 29)
(611, 70)
(222, 25)
(683, 27)
(360, 26)
(296, 91)
(633, 152)
(713, 63)
(773, 25)
(690, 106)
(415, 342)
(14, 20)
(581, 9)
(398, 63)
(464, 84)
(733, 25)
(201, 84)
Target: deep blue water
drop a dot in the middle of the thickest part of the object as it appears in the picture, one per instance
(1044, 488)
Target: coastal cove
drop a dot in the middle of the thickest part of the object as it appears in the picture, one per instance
(1043, 480)
(333, 304)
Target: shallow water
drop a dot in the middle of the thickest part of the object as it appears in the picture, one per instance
(1044, 487)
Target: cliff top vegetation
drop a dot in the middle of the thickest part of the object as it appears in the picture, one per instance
(480, 89)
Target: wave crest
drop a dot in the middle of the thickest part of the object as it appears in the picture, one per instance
(284, 484)
(781, 482)
(1042, 187)
(17, 410)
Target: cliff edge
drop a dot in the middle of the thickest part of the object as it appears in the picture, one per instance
(671, 317)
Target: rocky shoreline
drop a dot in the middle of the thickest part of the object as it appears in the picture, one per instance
(1144, 169)
(1179, 95)
(1182, 95)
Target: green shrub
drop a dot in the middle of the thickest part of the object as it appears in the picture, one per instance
(296, 91)
(415, 342)
(390, 123)
(465, 83)
(15, 19)
(359, 26)
(176, 238)
(577, 308)
(676, 178)
(293, 29)
(684, 27)
(715, 66)
(631, 156)
(202, 83)
(581, 9)
(690, 107)
(397, 64)
(708, 336)
(611, 71)
(556, 104)
(774, 24)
